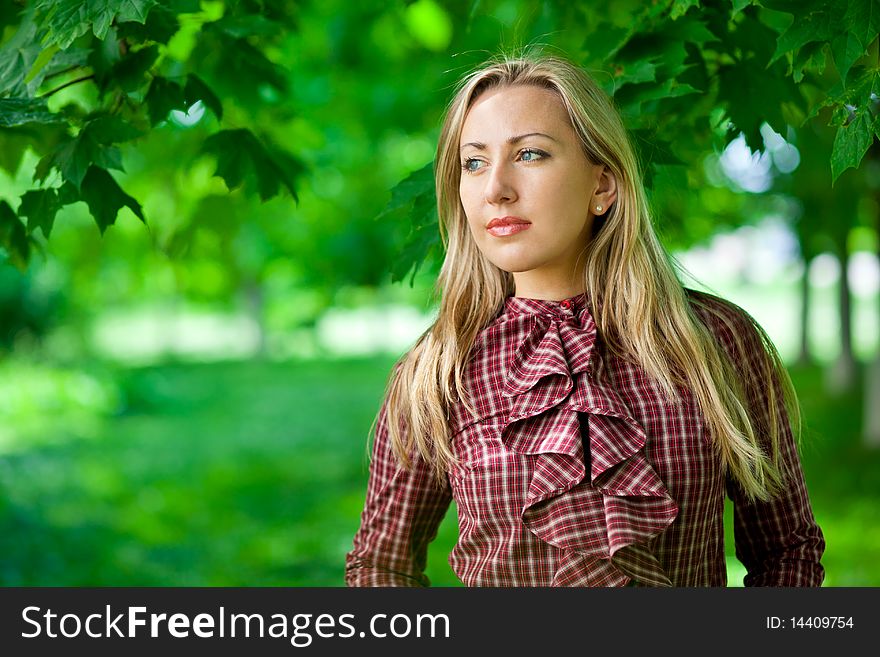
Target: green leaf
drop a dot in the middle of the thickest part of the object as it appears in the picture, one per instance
(654, 150)
(690, 29)
(37, 137)
(67, 20)
(811, 56)
(633, 97)
(17, 58)
(418, 184)
(13, 237)
(243, 161)
(739, 5)
(131, 11)
(241, 63)
(672, 60)
(680, 7)
(109, 129)
(70, 160)
(182, 6)
(130, 72)
(93, 145)
(851, 143)
(63, 60)
(860, 93)
(106, 198)
(804, 29)
(162, 97)
(247, 26)
(104, 56)
(421, 243)
(606, 40)
(413, 200)
(862, 19)
(652, 10)
(288, 168)
(635, 73)
(68, 194)
(846, 49)
(196, 89)
(45, 56)
(19, 111)
(754, 95)
(161, 24)
(40, 207)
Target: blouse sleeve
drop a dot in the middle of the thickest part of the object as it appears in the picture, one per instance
(402, 511)
(778, 541)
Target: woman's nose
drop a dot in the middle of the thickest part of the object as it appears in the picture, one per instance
(500, 186)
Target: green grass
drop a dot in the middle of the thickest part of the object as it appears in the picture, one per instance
(223, 474)
(252, 473)
(843, 477)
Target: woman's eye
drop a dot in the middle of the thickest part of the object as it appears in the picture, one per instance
(471, 165)
(530, 155)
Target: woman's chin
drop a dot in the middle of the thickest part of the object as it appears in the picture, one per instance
(514, 265)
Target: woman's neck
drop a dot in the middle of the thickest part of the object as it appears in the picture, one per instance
(529, 286)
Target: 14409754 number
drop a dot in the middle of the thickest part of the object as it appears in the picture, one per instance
(809, 622)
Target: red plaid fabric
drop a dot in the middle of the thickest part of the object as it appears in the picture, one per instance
(576, 470)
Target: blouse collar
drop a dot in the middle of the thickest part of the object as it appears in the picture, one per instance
(563, 308)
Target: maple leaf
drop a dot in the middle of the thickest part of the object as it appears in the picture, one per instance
(851, 143)
(13, 237)
(106, 198)
(93, 145)
(19, 111)
(243, 161)
(67, 20)
(40, 207)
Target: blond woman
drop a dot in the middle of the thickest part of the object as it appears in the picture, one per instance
(586, 412)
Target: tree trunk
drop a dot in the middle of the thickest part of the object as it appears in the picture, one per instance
(255, 306)
(871, 402)
(871, 424)
(842, 375)
(804, 357)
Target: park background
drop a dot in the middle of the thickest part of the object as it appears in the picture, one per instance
(193, 348)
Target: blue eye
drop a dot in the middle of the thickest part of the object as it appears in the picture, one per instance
(531, 154)
(471, 165)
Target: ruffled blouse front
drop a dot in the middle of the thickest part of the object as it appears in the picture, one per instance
(545, 422)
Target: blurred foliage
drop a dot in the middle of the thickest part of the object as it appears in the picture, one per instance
(269, 90)
(229, 475)
(224, 474)
(28, 308)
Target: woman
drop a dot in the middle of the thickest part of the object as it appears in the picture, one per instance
(585, 411)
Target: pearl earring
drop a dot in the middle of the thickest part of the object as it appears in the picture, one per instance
(598, 208)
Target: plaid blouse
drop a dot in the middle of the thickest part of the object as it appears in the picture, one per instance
(576, 470)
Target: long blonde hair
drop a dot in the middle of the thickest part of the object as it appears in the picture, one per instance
(643, 313)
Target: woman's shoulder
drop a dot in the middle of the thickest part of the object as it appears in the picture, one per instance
(718, 313)
(735, 329)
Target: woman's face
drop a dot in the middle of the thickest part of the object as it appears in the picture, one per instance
(528, 190)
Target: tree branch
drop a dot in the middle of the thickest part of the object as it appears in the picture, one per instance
(67, 84)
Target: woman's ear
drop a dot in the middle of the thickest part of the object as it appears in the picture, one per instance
(606, 190)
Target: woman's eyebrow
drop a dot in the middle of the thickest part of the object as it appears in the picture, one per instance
(510, 140)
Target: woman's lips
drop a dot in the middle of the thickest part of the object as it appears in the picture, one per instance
(503, 226)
